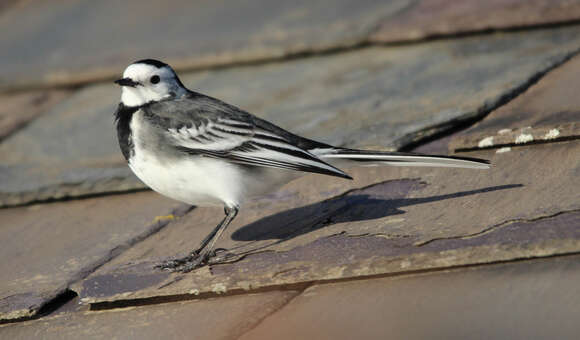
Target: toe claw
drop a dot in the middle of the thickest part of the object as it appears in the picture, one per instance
(185, 264)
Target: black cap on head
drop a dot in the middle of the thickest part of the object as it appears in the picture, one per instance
(153, 62)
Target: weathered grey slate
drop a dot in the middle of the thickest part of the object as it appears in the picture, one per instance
(41, 49)
(385, 221)
(520, 301)
(218, 319)
(428, 18)
(377, 97)
(56, 42)
(17, 109)
(46, 247)
(6, 4)
(70, 151)
(549, 111)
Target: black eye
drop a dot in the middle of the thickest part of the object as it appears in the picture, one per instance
(154, 79)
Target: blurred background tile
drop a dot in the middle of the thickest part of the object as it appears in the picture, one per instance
(430, 18)
(101, 37)
(525, 300)
(17, 109)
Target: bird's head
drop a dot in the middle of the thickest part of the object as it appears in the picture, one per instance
(149, 80)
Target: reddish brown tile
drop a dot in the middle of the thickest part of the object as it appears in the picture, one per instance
(427, 18)
(527, 300)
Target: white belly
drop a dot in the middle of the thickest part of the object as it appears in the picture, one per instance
(201, 182)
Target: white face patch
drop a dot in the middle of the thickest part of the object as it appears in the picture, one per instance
(154, 84)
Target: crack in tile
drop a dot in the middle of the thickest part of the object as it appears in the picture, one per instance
(475, 33)
(495, 227)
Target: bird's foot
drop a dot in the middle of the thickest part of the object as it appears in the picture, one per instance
(185, 264)
(222, 255)
(198, 259)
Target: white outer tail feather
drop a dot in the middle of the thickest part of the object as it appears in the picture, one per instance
(370, 158)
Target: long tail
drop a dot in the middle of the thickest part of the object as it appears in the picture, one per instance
(401, 158)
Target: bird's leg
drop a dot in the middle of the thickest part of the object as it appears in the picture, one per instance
(207, 251)
(199, 256)
(175, 264)
(208, 238)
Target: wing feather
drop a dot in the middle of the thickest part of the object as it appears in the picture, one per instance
(233, 136)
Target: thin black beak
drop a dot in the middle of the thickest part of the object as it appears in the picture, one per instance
(126, 82)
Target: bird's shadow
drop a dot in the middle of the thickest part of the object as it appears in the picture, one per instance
(376, 201)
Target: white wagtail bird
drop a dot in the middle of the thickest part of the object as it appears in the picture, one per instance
(201, 151)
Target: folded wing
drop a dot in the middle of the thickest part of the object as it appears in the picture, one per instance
(232, 137)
